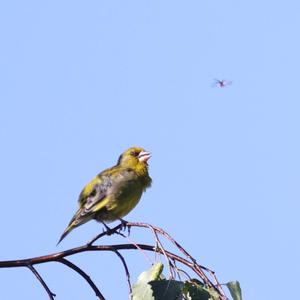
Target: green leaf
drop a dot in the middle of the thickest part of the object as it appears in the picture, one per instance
(167, 289)
(153, 273)
(214, 295)
(141, 290)
(235, 290)
(196, 290)
(151, 286)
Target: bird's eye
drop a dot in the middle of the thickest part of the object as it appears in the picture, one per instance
(134, 153)
(93, 193)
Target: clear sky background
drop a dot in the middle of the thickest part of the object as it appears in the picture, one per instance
(82, 81)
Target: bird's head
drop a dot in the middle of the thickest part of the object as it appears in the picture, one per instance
(134, 156)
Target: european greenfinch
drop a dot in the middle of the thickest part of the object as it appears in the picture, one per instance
(113, 193)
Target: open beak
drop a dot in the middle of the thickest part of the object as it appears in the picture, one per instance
(144, 156)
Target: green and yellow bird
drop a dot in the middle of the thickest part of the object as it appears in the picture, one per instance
(113, 193)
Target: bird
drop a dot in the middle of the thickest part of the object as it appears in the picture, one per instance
(114, 192)
(221, 83)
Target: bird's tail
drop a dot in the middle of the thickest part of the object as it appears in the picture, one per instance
(78, 219)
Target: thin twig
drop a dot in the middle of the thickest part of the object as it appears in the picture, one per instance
(213, 274)
(143, 252)
(189, 261)
(179, 247)
(84, 275)
(105, 233)
(41, 280)
(126, 271)
(178, 270)
(58, 255)
(154, 230)
(185, 273)
(159, 244)
(199, 268)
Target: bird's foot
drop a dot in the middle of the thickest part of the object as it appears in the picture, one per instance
(124, 226)
(107, 230)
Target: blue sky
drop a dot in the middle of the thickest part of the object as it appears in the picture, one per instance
(81, 82)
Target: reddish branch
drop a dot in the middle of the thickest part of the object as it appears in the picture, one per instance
(172, 258)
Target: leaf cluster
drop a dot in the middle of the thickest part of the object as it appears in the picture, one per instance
(152, 285)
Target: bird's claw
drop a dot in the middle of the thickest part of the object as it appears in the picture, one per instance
(107, 229)
(124, 226)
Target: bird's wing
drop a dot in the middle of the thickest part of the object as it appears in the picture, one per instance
(94, 194)
(92, 198)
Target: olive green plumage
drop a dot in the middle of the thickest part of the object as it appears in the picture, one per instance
(113, 193)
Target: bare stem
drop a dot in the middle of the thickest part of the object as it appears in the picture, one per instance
(41, 280)
(204, 273)
(105, 233)
(198, 268)
(126, 271)
(83, 274)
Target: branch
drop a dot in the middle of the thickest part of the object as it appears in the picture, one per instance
(172, 258)
(199, 268)
(83, 274)
(57, 256)
(41, 280)
(127, 273)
